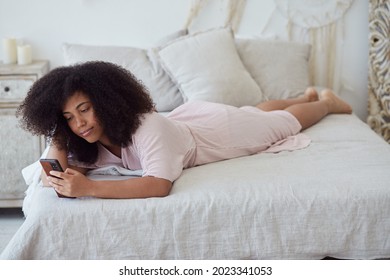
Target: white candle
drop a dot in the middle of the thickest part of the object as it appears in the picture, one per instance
(9, 51)
(24, 54)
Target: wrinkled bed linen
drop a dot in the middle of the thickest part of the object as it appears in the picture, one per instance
(330, 199)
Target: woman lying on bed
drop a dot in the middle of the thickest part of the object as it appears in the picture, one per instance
(97, 114)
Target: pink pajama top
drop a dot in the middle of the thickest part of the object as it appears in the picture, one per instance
(198, 133)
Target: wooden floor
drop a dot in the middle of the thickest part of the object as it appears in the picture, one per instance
(10, 221)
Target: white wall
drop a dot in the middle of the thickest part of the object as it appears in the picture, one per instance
(46, 24)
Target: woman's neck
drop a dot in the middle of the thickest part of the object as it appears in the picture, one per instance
(114, 149)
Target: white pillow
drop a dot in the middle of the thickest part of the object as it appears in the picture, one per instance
(206, 66)
(163, 91)
(280, 68)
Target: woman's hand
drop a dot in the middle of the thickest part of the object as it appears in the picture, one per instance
(70, 183)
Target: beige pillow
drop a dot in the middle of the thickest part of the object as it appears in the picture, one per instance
(280, 68)
(163, 91)
(206, 66)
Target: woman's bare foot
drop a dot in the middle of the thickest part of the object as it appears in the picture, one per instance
(335, 104)
(311, 94)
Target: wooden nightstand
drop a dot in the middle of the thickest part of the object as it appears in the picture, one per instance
(18, 148)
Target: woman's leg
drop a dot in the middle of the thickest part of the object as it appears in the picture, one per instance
(310, 95)
(310, 113)
(309, 108)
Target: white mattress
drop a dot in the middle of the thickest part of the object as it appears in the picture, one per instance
(330, 199)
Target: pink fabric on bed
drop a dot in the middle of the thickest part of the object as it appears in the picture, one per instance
(202, 132)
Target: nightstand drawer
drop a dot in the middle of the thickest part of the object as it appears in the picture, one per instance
(14, 88)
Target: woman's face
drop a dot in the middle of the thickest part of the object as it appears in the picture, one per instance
(80, 115)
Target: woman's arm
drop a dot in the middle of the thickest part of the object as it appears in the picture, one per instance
(76, 184)
(142, 187)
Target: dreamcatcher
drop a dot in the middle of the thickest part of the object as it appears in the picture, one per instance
(320, 22)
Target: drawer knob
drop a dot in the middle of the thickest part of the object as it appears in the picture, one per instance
(6, 89)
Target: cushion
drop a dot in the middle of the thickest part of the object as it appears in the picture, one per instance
(280, 68)
(140, 62)
(206, 66)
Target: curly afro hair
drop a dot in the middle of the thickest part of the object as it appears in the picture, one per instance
(118, 98)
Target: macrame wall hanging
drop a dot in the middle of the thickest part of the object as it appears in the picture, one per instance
(320, 23)
(234, 10)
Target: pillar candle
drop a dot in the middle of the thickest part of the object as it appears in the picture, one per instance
(24, 54)
(9, 51)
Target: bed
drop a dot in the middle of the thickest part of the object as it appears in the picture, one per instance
(331, 199)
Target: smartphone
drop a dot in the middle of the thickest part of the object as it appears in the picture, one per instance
(48, 165)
